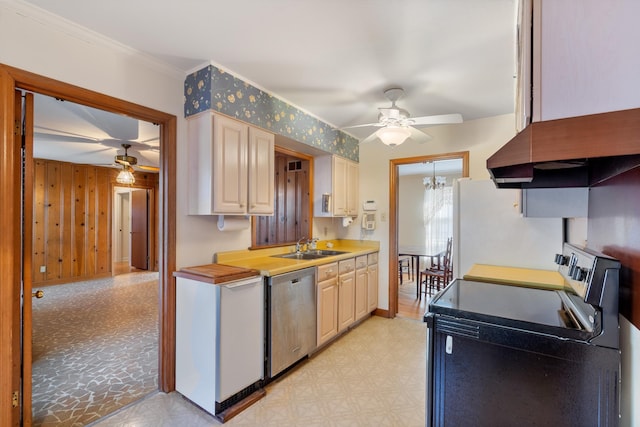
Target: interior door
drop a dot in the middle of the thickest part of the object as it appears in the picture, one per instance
(27, 221)
(140, 229)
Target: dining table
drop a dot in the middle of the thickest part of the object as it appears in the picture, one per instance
(417, 252)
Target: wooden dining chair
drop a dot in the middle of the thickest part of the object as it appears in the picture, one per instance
(438, 276)
(404, 266)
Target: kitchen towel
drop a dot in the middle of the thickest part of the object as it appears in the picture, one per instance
(233, 223)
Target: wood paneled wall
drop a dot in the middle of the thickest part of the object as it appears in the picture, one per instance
(614, 228)
(72, 234)
(291, 219)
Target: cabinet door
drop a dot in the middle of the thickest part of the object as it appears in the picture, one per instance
(327, 310)
(586, 62)
(230, 166)
(372, 287)
(361, 301)
(339, 186)
(352, 188)
(346, 300)
(261, 172)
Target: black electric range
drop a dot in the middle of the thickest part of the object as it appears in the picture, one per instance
(500, 355)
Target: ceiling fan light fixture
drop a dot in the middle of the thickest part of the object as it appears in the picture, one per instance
(393, 135)
(125, 177)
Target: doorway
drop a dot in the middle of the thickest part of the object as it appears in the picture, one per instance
(411, 172)
(12, 270)
(133, 231)
(121, 230)
(78, 375)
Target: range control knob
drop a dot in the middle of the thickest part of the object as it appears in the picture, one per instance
(561, 259)
(579, 274)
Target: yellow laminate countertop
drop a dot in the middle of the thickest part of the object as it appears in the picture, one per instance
(532, 278)
(268, 265)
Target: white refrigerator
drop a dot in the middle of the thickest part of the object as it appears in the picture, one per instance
(489, 229)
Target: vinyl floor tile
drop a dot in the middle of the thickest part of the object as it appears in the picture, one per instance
(374, 375)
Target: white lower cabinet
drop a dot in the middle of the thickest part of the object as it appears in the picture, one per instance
(219, 339)
(361, 301)
(327, 301)
(346, 292)
(372, 282)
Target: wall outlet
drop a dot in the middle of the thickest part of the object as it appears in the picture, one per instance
(43, 269)
(383, 216)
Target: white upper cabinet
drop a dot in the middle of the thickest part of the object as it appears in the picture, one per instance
(261, 172)
(586, 57)
(231, 167)
(336, 178)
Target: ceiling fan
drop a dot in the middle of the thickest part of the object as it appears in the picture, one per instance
(77, 133)
(128, 161)
(397, 125)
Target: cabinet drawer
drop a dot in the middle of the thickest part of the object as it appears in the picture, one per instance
(327, 271)
(361, 262)
(347, 265)
(373, 258)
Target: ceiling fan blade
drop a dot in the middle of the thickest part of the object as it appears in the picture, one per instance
(41, 136)
(116, 126)
(370, 138)
(363, 126)
(149, 168)
(419, 136)
(437, 120)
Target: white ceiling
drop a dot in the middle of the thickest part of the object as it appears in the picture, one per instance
(331, 58)
(75, 133)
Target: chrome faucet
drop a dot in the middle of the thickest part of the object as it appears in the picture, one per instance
(299, 245)
(311, 243)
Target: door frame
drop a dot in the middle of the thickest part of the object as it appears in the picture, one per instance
(10, 241)
(394, 182)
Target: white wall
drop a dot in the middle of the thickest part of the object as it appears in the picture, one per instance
(411, 229)
(481, 138)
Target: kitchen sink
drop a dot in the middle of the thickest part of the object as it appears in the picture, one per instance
(312, 254)
(325, 252)
(300, 255)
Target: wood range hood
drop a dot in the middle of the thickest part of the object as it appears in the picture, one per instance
(572, 152)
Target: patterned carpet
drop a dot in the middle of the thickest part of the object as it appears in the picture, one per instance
(372, 376)
(95, 348)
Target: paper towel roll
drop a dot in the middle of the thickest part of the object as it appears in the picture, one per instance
(233, 223)
(346, 221)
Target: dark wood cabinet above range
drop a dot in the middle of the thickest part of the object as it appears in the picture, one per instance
(571, 152)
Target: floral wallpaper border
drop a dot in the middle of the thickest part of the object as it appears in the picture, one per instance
(212, 88)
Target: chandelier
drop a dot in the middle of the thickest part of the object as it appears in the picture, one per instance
(434, 182)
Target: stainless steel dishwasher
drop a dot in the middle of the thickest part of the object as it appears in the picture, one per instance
(291, 319)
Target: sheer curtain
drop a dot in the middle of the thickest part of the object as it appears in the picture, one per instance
(438, 217)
